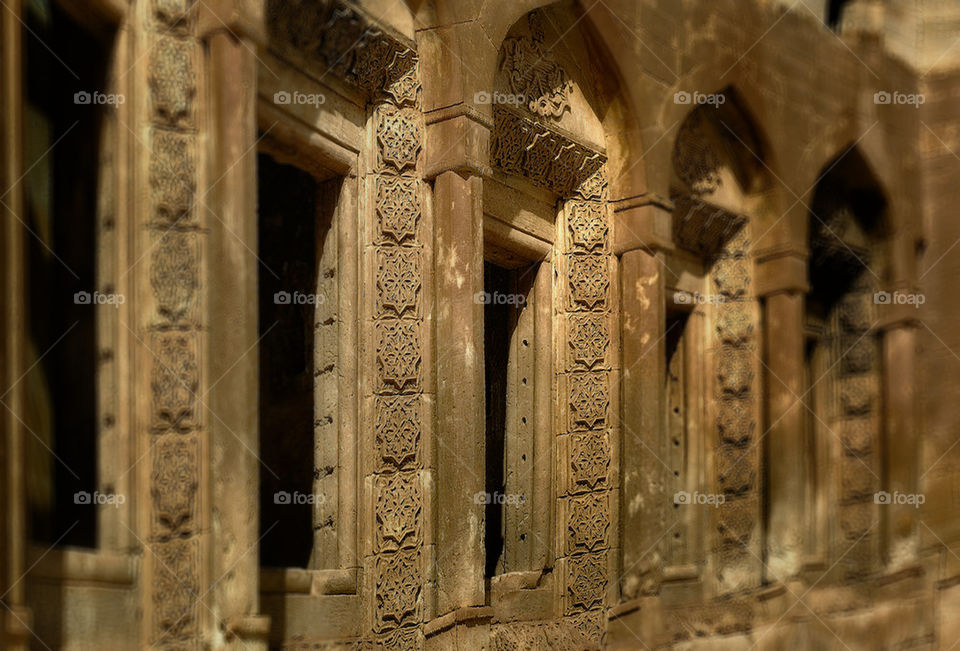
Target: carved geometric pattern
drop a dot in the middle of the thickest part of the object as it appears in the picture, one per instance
(695, 161)
(171, 12)
(173, 274)
(702, 227)
(857, 435)
(588, 523)
(732, 277)
(398, 431)
(737, 518)
(589, 340)
(398, 355)
(734, 324)
(587, 582)
(398, 281)
(530, 149)
(860, 354)
(588, 227)
(399, 582)
(399, 504)
(398, 209)
(174, 382)
(589, 461)
(172, 80)
(735, 422)
(175, 588)
(172, 175)
(595, 186)
(348, 44)
(532, 74)
(735, 372)
(174, 481)
(736, 473)
(589, 280)
(398, 135)
(856, 395)
(589, 400)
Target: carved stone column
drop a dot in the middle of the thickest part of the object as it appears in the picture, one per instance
(231, 199)
(787, 457)
(643, 518)
(460, 441)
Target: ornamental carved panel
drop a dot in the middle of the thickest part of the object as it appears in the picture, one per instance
(173, 274)
(589, 400)
(398, 589)
(172, 88)
(174, 382)
(588, 341)
(398, 432)
(695, 160)
(587, 224)
(399, 506)
(398, 137)
(398, 355)
(589, 460)
(588, 522)
(533, 74)
(175, 583)
(587, 582)
(588, 278)
(173, 486)
(398, 209)
(399, 276)
(173, 171)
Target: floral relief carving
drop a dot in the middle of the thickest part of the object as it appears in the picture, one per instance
(398, 281)
(398, 354)
(734, 324)
(589, 340)
(589, 400)
(589, 280)
(175, 477)
(174, 382)
(735, 422)
(695, 161)
(399, 582)
(398, 209)
(172, 175)
(175, 586)
(398, 508)
(398, 134)
(173, 274)
(172, 80)
(398, 431)
(532, 74)
(527, 148)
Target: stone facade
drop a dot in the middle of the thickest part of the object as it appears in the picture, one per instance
(623, 325)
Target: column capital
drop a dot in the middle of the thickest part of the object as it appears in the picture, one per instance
(782, 268)
(643, 221)
(468, 129)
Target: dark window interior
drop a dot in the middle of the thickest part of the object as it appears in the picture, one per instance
(61, 142)
(835, 12)
(287, 232)
(496, 340)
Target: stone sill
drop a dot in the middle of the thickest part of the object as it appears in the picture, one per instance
(294, 580)
(82, 565)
